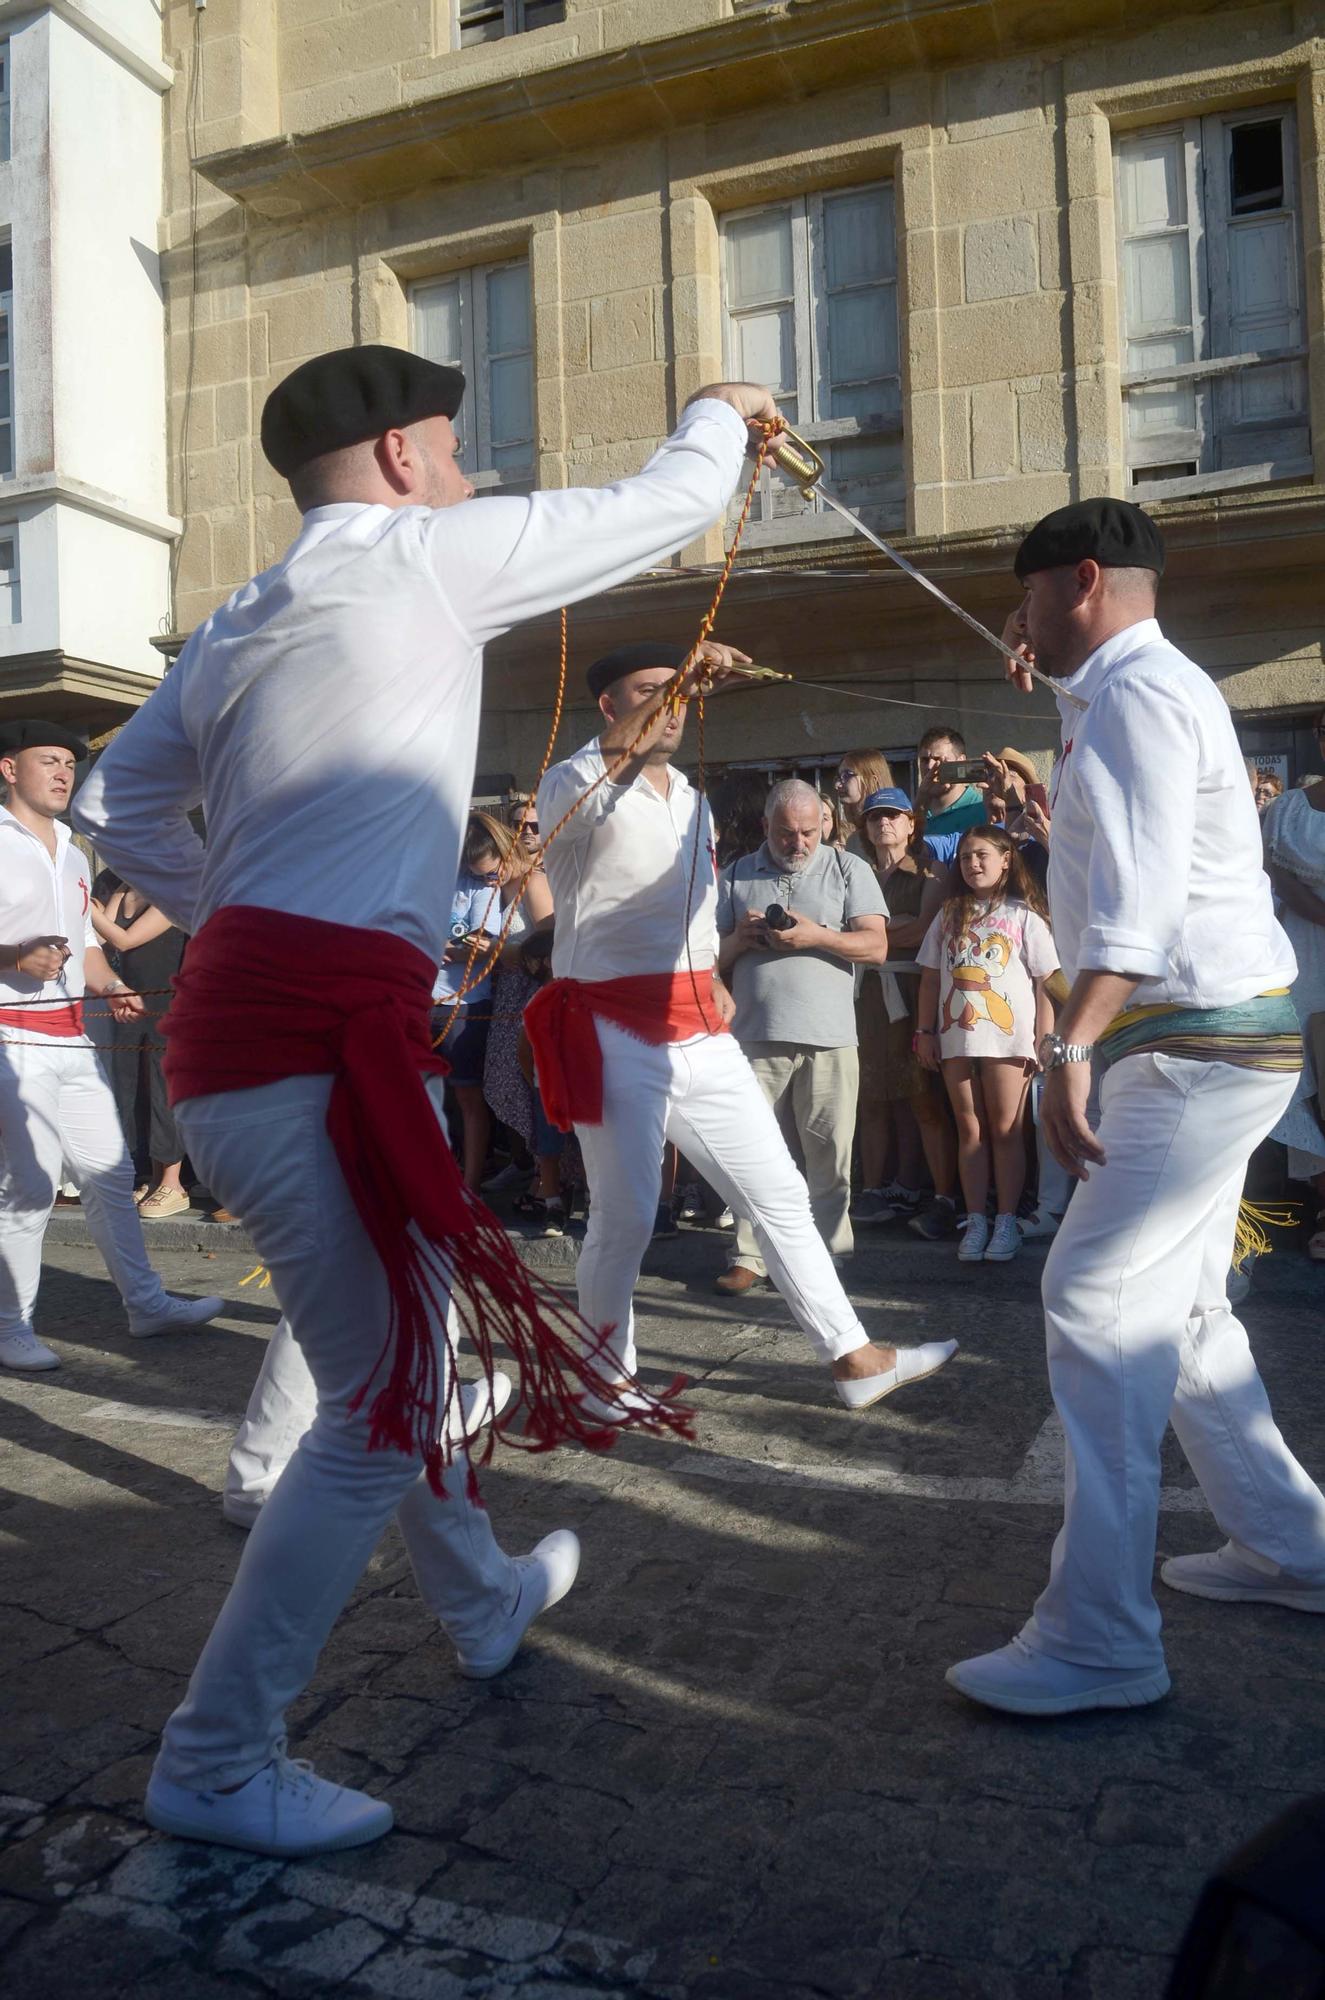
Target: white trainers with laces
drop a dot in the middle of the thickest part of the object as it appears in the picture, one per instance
(975, 1237)
(1233, 1575)
(285, 1809)
(1005, 1240)
(176, 1312)
(545, 1576)
(24, 1350)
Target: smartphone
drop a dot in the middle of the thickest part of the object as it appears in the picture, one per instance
(973, 771)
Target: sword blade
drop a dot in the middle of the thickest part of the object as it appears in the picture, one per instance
(927, 583)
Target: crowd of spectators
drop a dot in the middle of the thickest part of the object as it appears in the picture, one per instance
(892, 967)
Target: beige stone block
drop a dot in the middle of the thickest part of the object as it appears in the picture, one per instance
(696, 318)
(575, 337)
(221, 352)
(1000, 339)
(306, 322)
(1092, 241)
(259, 359)
(621, 329)
(212, 478)
(363, 95)
(287, 254)
(1098, 417)
(604, 463)
(193, 607)
(626, 23)
(956, 434)
(1096, 334)
(922, 351)
(1051, 225)
(234, 411)
(195, 556)
(618, 406)
(925, 439)
(1088, 152)
(1001, 259)
(1005, 503)
(981, 181)
(200, 405)
(984, 99)
(1042, 428)
(383, 306)
(232, 546)
(993, 431)
(357, 42)
(617, 253)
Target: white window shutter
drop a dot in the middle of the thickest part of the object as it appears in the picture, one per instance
(1162, 315)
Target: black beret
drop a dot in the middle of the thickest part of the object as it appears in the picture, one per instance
(635, 659)
(1113, 533)
(16, 736)
(352, 394)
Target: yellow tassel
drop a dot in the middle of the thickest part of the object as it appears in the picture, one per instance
(260, 1274)
(1250, 1239)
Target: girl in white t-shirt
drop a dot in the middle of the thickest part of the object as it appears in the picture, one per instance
(983, 1009)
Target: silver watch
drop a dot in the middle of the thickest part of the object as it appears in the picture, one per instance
(1054, 1051)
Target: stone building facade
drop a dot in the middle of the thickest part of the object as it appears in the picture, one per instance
(998, 255)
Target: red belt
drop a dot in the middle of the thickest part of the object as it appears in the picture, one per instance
(655, 1007)
(63, 1019)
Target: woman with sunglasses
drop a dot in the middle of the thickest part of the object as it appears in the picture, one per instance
(859, 773)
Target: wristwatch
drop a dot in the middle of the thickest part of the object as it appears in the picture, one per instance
(1054, 1051)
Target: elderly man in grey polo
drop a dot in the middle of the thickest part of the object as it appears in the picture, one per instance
(796, 918)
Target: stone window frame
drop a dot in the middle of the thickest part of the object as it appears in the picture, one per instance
(808, 299)
(696, 199)
(475, 359)
(6, 82)
(1203, 141)
(1095, 110)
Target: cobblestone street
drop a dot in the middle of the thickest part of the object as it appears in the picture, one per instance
(727, 1767)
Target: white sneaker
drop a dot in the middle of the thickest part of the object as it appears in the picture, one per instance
(1022, 1682)
(177, 1312)
(545, 1577)
(1234, 1576)
(626, 1400)
(912, 1365)
(975, 1237)
(1043, 1223)
(1005, 1241)
(24, 1350)
(286, 1809)
(726, 1220)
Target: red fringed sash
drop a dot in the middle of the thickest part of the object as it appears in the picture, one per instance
(655, 1007)
(264, 995)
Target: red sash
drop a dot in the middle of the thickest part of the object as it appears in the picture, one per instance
(655, 1007)
(62, 1019)
(264, 995)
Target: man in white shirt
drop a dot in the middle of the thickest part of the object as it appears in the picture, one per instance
(327, 717)
(1164, 923)
(55, 1102)
(629, 1037)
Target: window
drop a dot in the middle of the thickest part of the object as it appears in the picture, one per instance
(6, 361)
(480, 321)
(10, 609)
(4, 100)
(489, 20)
(810, 296)
(1215, 373)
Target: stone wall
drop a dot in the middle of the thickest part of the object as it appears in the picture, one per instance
(367, 153)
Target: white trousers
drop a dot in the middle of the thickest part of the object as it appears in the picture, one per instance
(702, 1095)
(1140, 1334)
(56, 1106)
(265, 1154)
(282, 1406)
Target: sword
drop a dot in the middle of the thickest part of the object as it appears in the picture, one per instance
(804, 467)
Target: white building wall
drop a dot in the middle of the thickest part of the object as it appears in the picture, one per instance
(81, 200)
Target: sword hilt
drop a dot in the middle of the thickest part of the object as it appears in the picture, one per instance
(800, 461)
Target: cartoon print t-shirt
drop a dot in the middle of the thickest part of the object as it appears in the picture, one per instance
(986, 1000)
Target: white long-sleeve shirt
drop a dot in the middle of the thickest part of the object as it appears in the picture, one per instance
(326, 716)
(620, 873)
(1155, 857)
(42, 895)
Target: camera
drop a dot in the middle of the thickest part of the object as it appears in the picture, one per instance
(778, 919)
(460, 934)
(971, 771)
